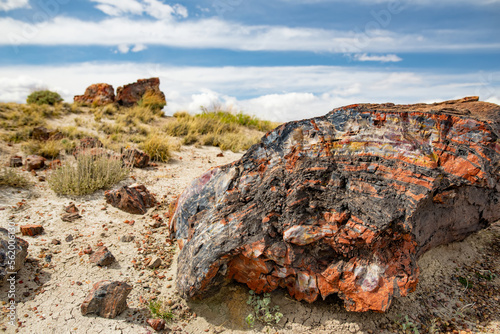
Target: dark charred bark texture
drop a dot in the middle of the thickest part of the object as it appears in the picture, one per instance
(344, 203)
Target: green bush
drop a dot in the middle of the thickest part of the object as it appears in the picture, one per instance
(44, 97)
(91, 171)
(262, 310)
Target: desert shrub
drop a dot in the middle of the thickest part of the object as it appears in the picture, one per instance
(152, 100)
(72, 132)
(44, 97)
(90, 172)
(49, 149)
(159, 147)
(10, 178)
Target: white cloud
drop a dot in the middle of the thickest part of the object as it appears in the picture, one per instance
(379, 58)
(6, 5)
(215, 33)
(139, 48)
(153, 8)
(289, 92)
(123, 48)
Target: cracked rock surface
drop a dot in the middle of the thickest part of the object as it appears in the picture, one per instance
(343, 204)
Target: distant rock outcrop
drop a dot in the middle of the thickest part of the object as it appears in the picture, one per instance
(129, 95)
(343, 204)
(97, 95)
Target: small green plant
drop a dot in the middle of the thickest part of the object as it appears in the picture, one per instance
(10, 178)
(158, 310)
(408, 326)
(465, 282)
(262, 310)
(91, 171)
(44, 97)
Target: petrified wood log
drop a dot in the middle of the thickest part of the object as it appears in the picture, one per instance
(344, 203)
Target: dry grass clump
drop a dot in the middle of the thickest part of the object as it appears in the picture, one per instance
(49, 149)
(152, 100)
(222, 128)
(90, 172)
(159, 147)
(10, 178)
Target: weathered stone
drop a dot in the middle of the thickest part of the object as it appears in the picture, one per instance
(135, 199)
(97, 95)
(31, 230)
(70, 217)
(43, 134)
(127, 238)
(13, 253)
(68, 238)
(34, 162)
(129, 95)
(102, 257)
(106, 299)
(343, 204)
(90, 142)
(71, 208)
(136, 158)
(157, 324)
(155, 263)
(16, 161)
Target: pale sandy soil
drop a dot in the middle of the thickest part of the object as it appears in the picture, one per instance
(49, 294)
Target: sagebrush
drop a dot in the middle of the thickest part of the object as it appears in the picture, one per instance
(92, 170)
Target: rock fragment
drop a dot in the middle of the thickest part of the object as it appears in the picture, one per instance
(102, 257)
(34, 162)
(135, 199)
(157, 324)
(16, 161)
(135, 158)
(107, 299)
(31, 229)
(12, 254)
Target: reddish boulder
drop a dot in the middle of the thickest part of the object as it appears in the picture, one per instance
(34, 162)
(343, 204)
(135, 199)
(135, 158)
(31, 230)
(102, 257)
(107, 299)
(129, 95)
(97, 95)
(16, 161)
(44, 134)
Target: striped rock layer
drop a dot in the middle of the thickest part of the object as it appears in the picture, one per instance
(343, 204)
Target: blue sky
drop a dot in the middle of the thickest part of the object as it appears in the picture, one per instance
(277, 59)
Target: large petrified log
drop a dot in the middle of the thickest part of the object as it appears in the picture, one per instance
(344, 203)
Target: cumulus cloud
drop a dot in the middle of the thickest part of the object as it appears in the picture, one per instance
(289, 93)
(6, 5)
(379, 58)
(153, 8)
